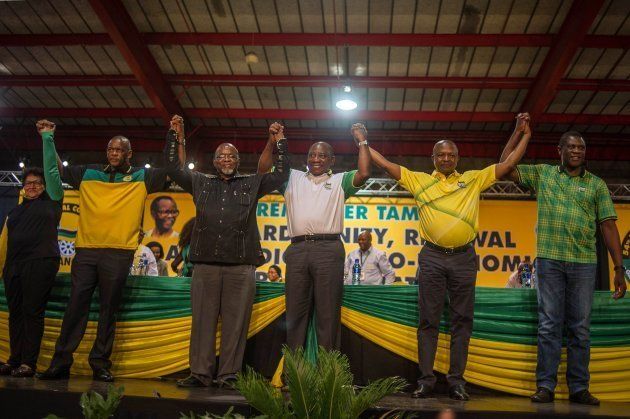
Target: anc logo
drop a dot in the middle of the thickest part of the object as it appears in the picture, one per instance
(67, 231)
(625, 252)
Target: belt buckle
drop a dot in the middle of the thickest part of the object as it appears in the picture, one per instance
(309, 238)
(449, 251)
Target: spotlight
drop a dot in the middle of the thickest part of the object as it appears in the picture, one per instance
(251, 57)
(191, 165)
(147, 166)
(21, 164)
(346, 101)
(64, 163)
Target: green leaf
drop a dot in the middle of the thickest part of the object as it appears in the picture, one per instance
(304, 383)
(336, 390)
(374, 392)
(261, 394)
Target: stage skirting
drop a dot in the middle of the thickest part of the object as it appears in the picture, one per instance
(153, 331)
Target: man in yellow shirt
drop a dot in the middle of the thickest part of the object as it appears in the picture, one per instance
(448, 206)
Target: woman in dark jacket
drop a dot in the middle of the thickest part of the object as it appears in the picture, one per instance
(32, 261)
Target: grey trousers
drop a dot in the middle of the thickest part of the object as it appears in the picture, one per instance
(226, 291)
(314, 279)
(440, 273)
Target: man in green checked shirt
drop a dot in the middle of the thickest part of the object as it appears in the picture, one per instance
(572, 202)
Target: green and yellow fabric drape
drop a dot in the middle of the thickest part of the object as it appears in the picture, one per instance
(153, 332)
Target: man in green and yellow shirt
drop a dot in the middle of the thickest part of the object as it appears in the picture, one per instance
(448, 206)
(111, 199)
(572, 204)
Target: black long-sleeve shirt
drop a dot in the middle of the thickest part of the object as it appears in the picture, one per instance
(32, 230)
(225, 230)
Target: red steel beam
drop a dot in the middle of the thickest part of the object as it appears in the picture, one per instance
(566, 43)
(132, 46)
(318, 39)
(313, 114)
(618, 85)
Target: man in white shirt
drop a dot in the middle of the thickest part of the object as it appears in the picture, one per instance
(315, 209)
(375, 267)
(144, 263)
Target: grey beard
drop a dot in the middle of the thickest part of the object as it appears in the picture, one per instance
(227, 172)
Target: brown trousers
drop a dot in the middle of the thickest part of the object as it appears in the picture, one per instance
(225, 291)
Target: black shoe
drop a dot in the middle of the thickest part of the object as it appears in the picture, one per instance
(6, 369)
(422, 392)
(23, 371)
(542, 395)
(54, 373)
(190, 381)
(458, 392)
(227, 381)
(103, 374)
(584, 397)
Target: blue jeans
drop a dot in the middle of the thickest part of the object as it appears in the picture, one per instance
(565, 293)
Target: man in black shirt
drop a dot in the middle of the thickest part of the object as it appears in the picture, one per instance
(225, 250)
(32, 262)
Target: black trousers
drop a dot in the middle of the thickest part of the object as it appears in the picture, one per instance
(314, 279)
(106, 269)
(440, 273)
(27, 286)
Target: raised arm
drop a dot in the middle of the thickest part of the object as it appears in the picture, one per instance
(52, 163)
(265, 162)
(512, 154)
(175, 155)
(392, 169)
(364, 164)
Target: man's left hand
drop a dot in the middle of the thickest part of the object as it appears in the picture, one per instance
(620, 284)
(359, 132)
(177, 125)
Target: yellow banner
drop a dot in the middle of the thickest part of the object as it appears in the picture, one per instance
(506, 231)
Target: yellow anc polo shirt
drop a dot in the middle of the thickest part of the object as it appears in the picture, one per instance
(111, 203)
(448, 206)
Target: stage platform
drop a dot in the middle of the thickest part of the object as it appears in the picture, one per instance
(161, 398)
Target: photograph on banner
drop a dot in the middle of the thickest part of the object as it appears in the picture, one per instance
(165, 214)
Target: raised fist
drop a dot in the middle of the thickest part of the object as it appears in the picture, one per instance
(177, 125)
(359, 132)
(522, 123)
(44, 125)
(276, 131)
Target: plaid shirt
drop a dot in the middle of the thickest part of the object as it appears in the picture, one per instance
(569, 209)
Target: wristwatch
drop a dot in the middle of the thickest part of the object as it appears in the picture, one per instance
(182, 142)
(364, 142)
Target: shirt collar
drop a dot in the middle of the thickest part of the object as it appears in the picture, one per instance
(561, 169)
(111, 169)
(440, 176)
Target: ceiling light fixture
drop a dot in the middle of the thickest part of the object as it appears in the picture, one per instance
(346, 101)
(191, 165)
(251, 58)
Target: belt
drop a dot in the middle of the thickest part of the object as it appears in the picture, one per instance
(314, 238)
(449, 251)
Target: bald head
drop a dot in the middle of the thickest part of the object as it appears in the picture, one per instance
(226, 160)
(442, 143)
(365, 240)
(119, 151)
(445, 157)
(320, 158)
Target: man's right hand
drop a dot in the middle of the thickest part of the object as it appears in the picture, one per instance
(522, 123)
(44, 125)
(177, 125)
(276, 131)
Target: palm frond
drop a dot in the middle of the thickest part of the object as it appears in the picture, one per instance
(303, 382)
(375, 391)
(337, 391)
(261, 394)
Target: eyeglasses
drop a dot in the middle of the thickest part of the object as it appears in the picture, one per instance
(33, 183)
(168, 212)
(228, 157)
